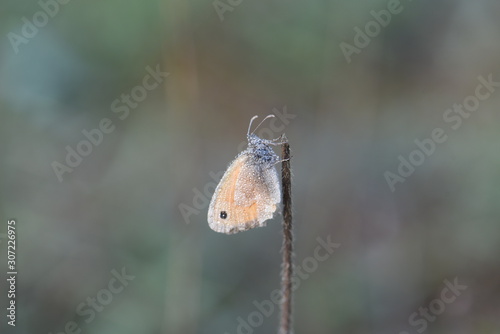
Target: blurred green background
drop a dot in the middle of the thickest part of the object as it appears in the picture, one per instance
(137, 203)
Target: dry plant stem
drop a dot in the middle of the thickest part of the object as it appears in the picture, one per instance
(287, 266)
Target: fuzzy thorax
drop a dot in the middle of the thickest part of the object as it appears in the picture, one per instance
(262, 151)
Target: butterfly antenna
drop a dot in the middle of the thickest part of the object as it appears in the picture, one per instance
(268, 116)
(250, 125)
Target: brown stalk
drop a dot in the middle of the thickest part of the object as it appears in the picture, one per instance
(287, 265)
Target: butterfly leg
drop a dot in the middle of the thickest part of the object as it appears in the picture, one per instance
(279, 141)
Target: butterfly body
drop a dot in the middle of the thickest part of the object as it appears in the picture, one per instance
(249, 192)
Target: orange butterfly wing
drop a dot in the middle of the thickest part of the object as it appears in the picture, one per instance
(240, 202)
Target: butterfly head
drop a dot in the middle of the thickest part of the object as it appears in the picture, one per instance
(261, 150)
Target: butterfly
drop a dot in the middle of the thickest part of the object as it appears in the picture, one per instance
(249, 191)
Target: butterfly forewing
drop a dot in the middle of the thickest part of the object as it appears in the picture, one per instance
(242, 200)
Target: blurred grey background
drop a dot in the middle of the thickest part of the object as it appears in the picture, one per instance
(354, 85)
